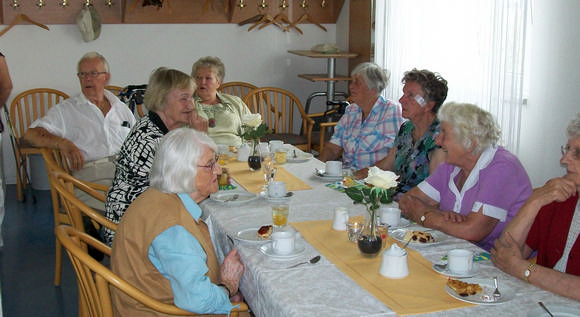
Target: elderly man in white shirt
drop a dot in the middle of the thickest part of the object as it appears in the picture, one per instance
(88, 128)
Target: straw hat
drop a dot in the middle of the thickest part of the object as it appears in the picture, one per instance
(89, 23)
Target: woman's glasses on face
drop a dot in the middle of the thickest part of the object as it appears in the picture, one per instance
(211, 165)
(575, 152)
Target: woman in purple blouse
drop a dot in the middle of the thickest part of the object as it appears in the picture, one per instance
(479, 187)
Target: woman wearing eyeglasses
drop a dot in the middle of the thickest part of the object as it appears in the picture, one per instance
(549, 223)
(169, 99)
(163, 247)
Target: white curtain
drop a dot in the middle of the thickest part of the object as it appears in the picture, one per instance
(476, 45)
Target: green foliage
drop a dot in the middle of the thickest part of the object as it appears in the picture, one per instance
(253, 134)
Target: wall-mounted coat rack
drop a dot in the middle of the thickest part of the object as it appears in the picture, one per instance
(170, 11)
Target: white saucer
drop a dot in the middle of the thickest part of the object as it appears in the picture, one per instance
(403, 223)
(284, 199)
(250, 235)
(227, 197)
(301, 157)
(474, 271)
(327, 178)
(487, 286)
(269, 251)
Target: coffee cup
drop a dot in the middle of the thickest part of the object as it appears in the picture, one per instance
(275, 145)
(276, 189)
(390, 216)
(460, 261)
(283, 242)
(394, 264)
(334, 168)
(340, 219)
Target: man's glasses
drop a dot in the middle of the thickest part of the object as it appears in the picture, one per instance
(90, 74)
(212, 165)
(575, 152)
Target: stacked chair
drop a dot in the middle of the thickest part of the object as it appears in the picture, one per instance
(67, 208)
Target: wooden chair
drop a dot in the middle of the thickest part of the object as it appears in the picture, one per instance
(278, 108)
(24, 109)
(95, 280)
(141, 111)
(237, 88)
(55, 163)
(114, 89)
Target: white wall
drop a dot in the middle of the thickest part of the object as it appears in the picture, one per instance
(40, 58)
(554, 86)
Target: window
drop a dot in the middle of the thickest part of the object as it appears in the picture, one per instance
(477, 45)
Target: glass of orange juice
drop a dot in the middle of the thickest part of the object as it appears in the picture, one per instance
(280, 214)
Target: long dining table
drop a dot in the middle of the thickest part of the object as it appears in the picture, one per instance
(272, 289)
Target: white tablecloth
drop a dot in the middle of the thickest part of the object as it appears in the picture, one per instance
(322, 289)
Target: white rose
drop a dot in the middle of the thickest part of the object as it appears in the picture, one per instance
(252, 120)
(381, 179)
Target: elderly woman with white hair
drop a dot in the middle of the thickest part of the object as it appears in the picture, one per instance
(162, 246)
(368, 128)
(480, 186)
(549, 223)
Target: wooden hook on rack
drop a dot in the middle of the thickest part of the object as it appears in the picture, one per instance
(22, 17)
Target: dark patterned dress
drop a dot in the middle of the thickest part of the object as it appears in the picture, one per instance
(133, 166)
(413, 158)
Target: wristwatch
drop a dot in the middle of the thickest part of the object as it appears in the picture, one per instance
(528, 272)
(424, 217)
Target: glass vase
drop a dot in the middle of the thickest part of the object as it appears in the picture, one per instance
(370, 242)
(254, 160)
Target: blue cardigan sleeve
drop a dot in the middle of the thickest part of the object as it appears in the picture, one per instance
(184, 265)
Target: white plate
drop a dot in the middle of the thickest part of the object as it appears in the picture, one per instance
(224, 196)
(250, 235)
(399, 234)
(269, 251)
(403, 223)
(507, 293)
(557, 311)
(275, 199)
(474, 271)
(327, 178)
(301, 157)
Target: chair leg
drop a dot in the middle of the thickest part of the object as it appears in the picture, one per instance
(19, 183)
(58, 263)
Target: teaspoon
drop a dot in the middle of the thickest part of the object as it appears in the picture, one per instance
(311, 261)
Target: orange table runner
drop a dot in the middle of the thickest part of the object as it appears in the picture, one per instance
(253, 181)
(423, 291)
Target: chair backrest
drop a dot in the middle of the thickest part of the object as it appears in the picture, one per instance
(66, 185)
(94, 279)
(31, 105)
(237, 88)
(55, 161)
(114, 89)
(278, 108)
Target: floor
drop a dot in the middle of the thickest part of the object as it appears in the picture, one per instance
(27, 261)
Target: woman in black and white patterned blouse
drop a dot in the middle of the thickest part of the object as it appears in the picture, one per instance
(169, 99)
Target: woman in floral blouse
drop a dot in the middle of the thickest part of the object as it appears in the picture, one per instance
(414, 154)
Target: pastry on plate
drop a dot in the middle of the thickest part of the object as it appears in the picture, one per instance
(418, 237)
(463, 288)
(265, 231)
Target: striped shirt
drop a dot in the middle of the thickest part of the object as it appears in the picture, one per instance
(365, 143)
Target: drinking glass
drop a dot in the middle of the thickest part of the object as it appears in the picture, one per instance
(280, 214)
(268, 167)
